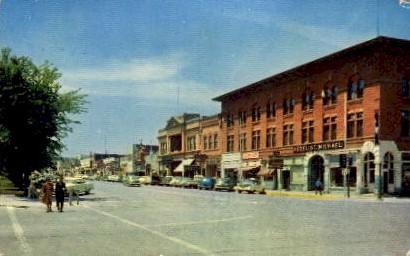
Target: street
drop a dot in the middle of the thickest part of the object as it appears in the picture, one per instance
(153, 220)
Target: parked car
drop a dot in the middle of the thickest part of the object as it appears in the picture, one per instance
(155, 180)
(165, 181)
(145, 180)
(176, 181)
(114, 178)
(227, 183)
(131, 180)
(78, 186)
(207, 183)
(251, 186)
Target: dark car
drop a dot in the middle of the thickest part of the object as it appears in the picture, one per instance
(155, 180)
(165, 181)
(227, 183)
(207, 183)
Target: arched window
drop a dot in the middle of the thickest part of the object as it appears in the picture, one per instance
(355, 88)
(388, 166)
(307, 100)
(368, 169)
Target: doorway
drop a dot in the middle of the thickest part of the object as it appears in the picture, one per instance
(316, 172)
(286, 179)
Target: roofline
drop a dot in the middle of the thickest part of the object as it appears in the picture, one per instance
(310, 63)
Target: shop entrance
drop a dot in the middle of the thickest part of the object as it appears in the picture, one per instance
(286, 179)
(316, 171)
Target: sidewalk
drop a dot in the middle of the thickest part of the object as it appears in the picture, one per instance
(9, 200)
(335, 196)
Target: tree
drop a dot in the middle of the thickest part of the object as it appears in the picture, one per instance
(34, 116)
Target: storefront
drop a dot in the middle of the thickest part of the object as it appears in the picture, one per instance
(250, 165)
(213, 166)
(230, 164)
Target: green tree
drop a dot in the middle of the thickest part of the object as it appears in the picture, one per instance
(34, 115)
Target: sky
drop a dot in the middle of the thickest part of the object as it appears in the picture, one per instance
(141, 62)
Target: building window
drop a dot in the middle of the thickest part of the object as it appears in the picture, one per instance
(270, 137)
(355, 125)
(210, 142)
(215, 141)
(256, 140)
(405, 87)
(355, 89)
(163, 147)
(270, 110)
(191, 143)
(329, 128)
(389, 166)
(205, 142)
(230, 143)
(404, 115)
(329, 95)
(288, 134)
(288, 106)
(369, 168)
(307, 100)
(242, 118)
(242, 142)
(229, 120)
(256, 113)
(307, 132)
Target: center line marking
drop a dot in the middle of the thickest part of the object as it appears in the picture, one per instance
(170, 238)
(18, 232)
(202, 222)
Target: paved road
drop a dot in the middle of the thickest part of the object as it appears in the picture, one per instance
(151, 220)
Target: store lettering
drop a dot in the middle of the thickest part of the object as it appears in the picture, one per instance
(319, 146)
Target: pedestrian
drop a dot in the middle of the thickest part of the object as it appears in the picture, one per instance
(32, 193)
(47, 191)
(318, 187)
(60, 192)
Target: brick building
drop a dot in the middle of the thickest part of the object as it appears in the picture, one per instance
(351, 107)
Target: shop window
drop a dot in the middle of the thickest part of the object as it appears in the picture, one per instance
(355, 89)
(215, 141)
(355, 125)
(242, 142)
(270, 109)
(389, 165)
(288, 106)
(329, 128)
(270, 137)
(256, 113)
(336, 177)
(307, 100)
(404, 114)
(288, 134)
(405, 87)
(230, 143)
(369, 169)
(256, 140)
(242, 118)
(307, 131)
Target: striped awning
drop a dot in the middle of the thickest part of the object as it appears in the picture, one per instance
(180, 167)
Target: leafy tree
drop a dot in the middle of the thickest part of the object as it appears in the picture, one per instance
(34, 115)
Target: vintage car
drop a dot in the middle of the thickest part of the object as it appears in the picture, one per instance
(78, 186)
(131, 180)
(145, 180)
(251, 186)
(165, 181)
(207, 183)
(176, 181)
(227, 184)
(114, 178)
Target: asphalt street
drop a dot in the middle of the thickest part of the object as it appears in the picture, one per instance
(152, 220)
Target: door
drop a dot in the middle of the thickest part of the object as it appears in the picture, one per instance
(385, 182)
(286, 180)
(316, 172)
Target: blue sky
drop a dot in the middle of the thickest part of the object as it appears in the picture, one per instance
(131, 57)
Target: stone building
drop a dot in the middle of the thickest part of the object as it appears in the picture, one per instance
(349, 108)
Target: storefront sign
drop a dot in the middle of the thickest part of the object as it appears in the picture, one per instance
(319, 146)
(250, 155)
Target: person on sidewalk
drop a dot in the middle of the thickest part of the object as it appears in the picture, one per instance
(60, 191)
(318, 187)
(47, 191)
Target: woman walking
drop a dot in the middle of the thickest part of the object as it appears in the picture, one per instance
(47, 191)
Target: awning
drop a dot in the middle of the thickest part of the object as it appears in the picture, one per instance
(265, 172)
(180, 167)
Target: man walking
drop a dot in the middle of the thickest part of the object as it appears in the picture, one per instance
(318, 187)
(60, 191)
(47, 191)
